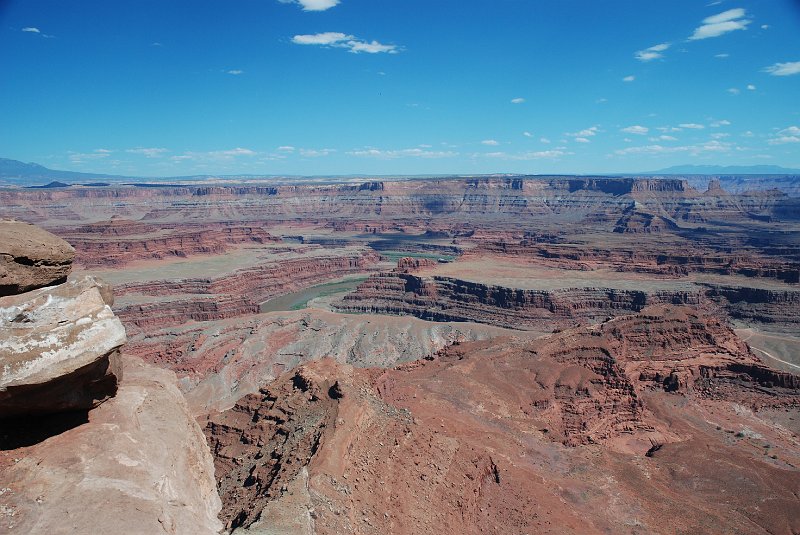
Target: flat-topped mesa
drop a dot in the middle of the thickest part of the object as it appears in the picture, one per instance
(31, 258)
(407, 264)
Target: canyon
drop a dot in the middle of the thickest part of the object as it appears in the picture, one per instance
(464, 355)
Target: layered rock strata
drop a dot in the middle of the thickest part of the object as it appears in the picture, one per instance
(448, 299)
(237, 294)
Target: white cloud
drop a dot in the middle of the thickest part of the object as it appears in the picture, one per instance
(668, 129)
(531, 155)
(692, 126)
(316, 153)
(342, 40)
(782, 140)
(582, 140)
(324, 38)
(693, 150)
(751, 87)
(527, 134)
(636, 129)
(373, 47)
(667, 138)
(518, 100)
(238, 151)
(401, 153)
(790, 134)
(719, 135)
(148, 152)
(286, 148)
(544, 140)
(312, 5)
(235, 72)
(31, 29)
(720, 24)
(654, 52)
(748, 133)
(717, 124)
(81, 157)
(630, 78)
(722, 56)
(783, 69)
(765, 26)
(490, 142)
(734, 91)
(586, 132)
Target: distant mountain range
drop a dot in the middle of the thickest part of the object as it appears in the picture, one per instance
(26, 174)
(732, 178)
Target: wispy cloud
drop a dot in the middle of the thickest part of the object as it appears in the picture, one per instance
(790, 134)
(783, 69)
(713, 146)
(720, 24)
(312, 5)
(490, 142)
(629, 78)
(371, 152)
(518, 100)
(717, 124)
(636, 129)
(722, 56)
(654, 52)
(586, 132)
(82, 157)
(734, 90)
(582, 140)
(36, 31)
(522, 156)
(235, 72)
(527, 134)
(692, 126)
(151, 152)
(342, 40)
(315, 153)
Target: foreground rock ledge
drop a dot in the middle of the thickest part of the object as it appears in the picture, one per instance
(58, 349)
(31, 258)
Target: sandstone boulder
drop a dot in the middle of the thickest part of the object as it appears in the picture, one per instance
(31, 258)
(58, 349)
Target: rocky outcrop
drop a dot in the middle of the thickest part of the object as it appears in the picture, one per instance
(448, 299)
(470, 440)
(139, 465)
(59, 349)
(265, 441)
(31, 258)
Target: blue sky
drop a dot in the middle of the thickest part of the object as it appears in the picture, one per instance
(161, 88)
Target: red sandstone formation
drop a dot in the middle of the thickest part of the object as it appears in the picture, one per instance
(409, 264)
(470, 441)
(237, 294)
(115, 244)
(448, 299)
